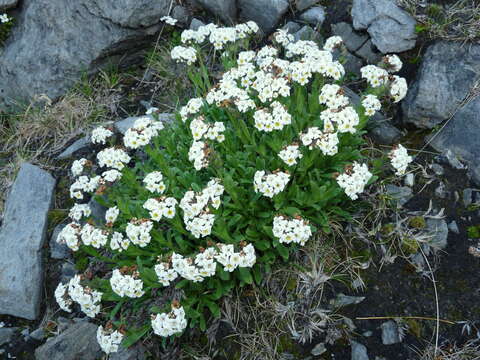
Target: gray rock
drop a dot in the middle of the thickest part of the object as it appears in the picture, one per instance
(437, 169)
(438, 229)
(380, 129)
(7, 4)
(56, 41)
(314, 16)
(57, 250)
(319, 349)
(390, 334)
(359, 351)
(400, 194)
(304, 4)
(352, 64)
(224, 9)
(6, 334)
(391, 28)
(453, 227)
(38, 334)
(345, 300)
(367, 333)
(266, 13)
(195, 24)
(453, 160)
(21, 240)
(467, 197)
(68, 272)
(441, 191)
(81, 144)
(136, 352)
(78, 341)
(352, 40)
(291, 27)
(368, 53)
(307, 33)
(122, 126)
(63, 323)
(448, 71)
(181, 14)
(409, 179)
(461, 136)
(98, 211)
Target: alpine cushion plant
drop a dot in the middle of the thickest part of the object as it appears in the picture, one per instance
(251, 169)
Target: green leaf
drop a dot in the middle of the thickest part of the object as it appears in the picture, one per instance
(283, 251)
(133, 335)
(245, 275)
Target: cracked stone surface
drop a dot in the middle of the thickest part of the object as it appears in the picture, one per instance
(391, 28)
(55, 41)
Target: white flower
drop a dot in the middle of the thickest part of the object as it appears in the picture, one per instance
(165, 273)
(138, 232)
(271, 184)
(400, 159)
(113, 158)
(78, 211)
(88, 299)
(375, 76)
(111, 215)
(332, 42)
(398, 88)
(184, 54)
(154, 182)
(62, 298)
(109, 340)
(142, 132)
(353, 181)
(4, 18)
(78, 166)
(295, 230)
(100, 135)
(290, 154)
(371, 105)
(70, 235)
(119, 242)
(333, 96)
(111, 175)
(126, 285)
(168, 324)
(327, 142)
(169, 20)
(161, 207)
(392, 63)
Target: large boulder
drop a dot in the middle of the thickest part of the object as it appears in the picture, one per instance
(21, 240)
(77, 342)
(448, 72)
(391, 28)
(56, 41)
(224, 9)
(266, 13)
(461, 135)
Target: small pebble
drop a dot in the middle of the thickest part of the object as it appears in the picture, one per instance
(453, 227)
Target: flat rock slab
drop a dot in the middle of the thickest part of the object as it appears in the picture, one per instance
(21, 239)
(78, 341)
(266, 13)
(448, 72)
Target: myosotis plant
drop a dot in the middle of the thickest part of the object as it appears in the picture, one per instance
(251, 169)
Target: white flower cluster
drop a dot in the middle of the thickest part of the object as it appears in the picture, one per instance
(345, 119)
(398, 88)
(161, 207)
(333, 96)
(332, 42)
(100, 135)
(111, 175)
(92, 236)
(272, 119)
(70, 235)
(193, 269)
(354, 179)
(154, 182)
(126, 285)
(111, 215)
(142, 132)
(78, 166)
(400, 159)
(198, 154)
(327, 142)
(375, 76)
(231, 259)
(109, 340)
(193, 106)
(392, 63)
(218, 37)
(62, 298)
(165, 273)
(271, 184)
(4, 18)
(168, 20)
(184, 54)
(371, 105)
(113, 158)
(288, 230)
(88, 299)
(213, 131)
(119, 242)
(79, 211)
(290, 154)
(168, 324)
(283, 37)
(82, 185)
(138, 232)
(195, 206)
